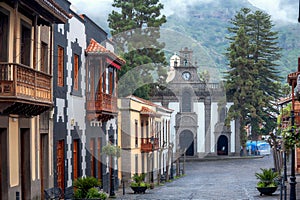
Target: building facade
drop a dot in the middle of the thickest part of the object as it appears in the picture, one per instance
(85, 98)
(145, 138)
(26, 44)
(200, 108)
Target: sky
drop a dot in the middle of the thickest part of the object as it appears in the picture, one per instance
(278, 9)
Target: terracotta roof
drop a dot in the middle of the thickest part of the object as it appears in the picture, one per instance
(150, 103)
(285, 100)
(147, 111)
(95, 47)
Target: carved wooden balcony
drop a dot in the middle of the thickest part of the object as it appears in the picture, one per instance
(146, 145)
(103, 107)
(23, 90)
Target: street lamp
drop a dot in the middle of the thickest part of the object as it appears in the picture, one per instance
(152, 174)
(292, 79)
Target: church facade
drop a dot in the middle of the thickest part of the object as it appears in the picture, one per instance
(200, 109)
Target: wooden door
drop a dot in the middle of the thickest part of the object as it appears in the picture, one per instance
(60, 165)
(75, 159)
(3, 164)
(44, 158)
(92, 151)
(99, 160)
(25, 164)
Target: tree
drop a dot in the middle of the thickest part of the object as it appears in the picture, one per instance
(252, 78)
(135, 29)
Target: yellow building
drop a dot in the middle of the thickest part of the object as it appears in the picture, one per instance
(144, 130)
(26, 39)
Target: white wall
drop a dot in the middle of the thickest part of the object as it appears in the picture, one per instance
(214, 120)
(174, 106)
(200, 111)
(76, 104)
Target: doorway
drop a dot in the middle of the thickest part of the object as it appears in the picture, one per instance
(222, 145)
(44, 162)
(3, 162)
(25, 163)
(186, 141)
(60, 165)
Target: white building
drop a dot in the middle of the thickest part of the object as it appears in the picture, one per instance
(200, 108)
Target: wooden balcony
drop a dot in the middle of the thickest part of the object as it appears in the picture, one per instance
(146, 145)
(23, 90)
(103, 107)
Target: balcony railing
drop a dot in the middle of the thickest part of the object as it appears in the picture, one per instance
(103, 104)
(22, 85)
(146, 145)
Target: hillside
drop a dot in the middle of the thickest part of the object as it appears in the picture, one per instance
(204, 26)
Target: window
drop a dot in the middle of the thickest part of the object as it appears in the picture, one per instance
(25, 44)
(110, 82)
(136, 133)
(60, 67)
(104, 81)
(44, 57)
(4, 27)
(136, 164)
(147, 129)
(75, 78)
(142, 129)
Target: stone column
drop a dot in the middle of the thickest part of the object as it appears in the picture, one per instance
(207, 106)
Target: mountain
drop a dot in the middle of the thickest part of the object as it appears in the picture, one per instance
(203, 28)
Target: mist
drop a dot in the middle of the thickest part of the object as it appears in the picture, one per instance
(284, 11)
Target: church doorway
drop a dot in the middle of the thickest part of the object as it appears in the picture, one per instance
(222, 145)
(186, 140)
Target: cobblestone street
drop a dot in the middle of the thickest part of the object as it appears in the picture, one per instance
(228, 179)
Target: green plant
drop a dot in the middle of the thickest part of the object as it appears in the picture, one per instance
(291, 137)
(139, 181)
(93, 193)
(86, 187)
(111, 150)
(267, 178)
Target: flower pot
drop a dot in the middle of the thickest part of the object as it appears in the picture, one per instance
(139, 189)
(266, 190)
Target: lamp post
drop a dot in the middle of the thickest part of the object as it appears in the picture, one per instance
(292, 80)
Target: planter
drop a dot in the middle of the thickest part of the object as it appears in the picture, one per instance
(266, 190)
(139, 189)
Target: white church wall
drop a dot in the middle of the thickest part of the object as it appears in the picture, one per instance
(232, 129)
(214, 120)
(200, 110)
(174, 106)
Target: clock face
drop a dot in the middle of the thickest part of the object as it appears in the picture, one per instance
(186, 76)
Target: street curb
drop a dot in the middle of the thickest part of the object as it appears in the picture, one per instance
(220, 158)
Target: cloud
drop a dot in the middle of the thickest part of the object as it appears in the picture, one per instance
(280, 10)
(180, 6)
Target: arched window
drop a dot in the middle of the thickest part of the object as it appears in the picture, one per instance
(186, 102)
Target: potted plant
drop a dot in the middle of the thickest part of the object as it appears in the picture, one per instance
(138, 185)
(88, 188)
(268, 181)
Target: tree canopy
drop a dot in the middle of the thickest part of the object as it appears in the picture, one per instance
(252, 79)
(135, 29)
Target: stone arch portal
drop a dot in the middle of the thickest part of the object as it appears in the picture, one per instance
(222, 145)
(186, 140)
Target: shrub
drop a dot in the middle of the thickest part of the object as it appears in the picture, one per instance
(267, 178)
(83, 186)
